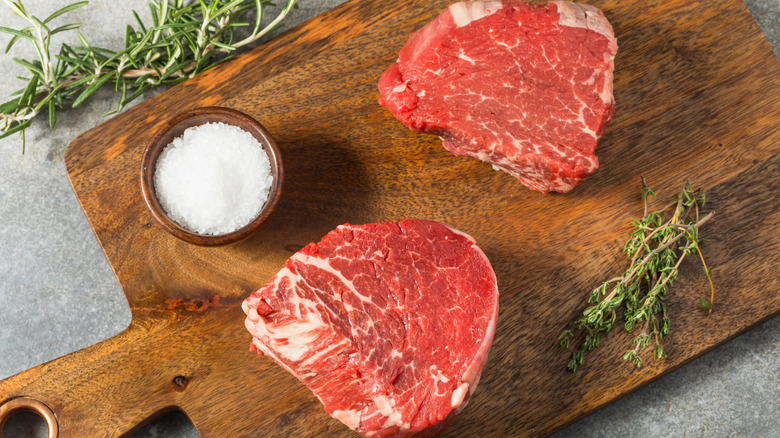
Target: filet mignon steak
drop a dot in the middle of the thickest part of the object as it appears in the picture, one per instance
(525, 87)
(389, 324)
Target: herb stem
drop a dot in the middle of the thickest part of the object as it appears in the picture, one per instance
(639, 292)
(709, 278)
(182, 41)
(663, 247)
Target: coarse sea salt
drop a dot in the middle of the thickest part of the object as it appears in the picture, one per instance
(214, 179)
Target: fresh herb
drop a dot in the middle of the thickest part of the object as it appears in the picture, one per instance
(184, 39)
(657, 246)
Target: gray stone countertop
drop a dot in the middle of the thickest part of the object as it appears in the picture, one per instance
(58, 294)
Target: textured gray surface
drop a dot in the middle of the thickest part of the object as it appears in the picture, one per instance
(58, 294)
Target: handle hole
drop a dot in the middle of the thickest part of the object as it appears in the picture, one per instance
(18, 411)
(173, 422)
(24, 424)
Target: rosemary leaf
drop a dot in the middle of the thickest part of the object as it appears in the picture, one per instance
(182, 41)
(77, 84)
(11, 43)
(52, 114)
(74, 61)
(17, 33)
(224, 46)
(16, 8)
(90, 90)
(34, 69)
(29, 92)
(7, 107)
(140, 22)
(139, 91)
(173, 70)
(65, 10)
(18, 128)
(66, 27)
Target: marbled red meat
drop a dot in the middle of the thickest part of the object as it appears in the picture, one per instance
(525, 87)
(389, 324)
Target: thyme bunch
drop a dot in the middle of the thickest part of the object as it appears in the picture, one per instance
(657, 246)
(184, 39)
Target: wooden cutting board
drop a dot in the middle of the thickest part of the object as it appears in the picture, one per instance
(698, 98)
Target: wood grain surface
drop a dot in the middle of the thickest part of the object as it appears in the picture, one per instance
(697, 97)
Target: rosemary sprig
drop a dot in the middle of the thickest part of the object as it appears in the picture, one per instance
(656, 248)
(184, 39)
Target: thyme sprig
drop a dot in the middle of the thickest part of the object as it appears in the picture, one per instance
(657, 246)
(184, 39)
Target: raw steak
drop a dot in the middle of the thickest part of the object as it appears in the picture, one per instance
(389, 324)
(525, 87)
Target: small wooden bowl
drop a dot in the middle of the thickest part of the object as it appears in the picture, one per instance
(174, 128)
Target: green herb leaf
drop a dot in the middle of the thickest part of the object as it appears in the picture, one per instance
(66, 27)
(655, 248)
(90, 90)
(183, 40)
(30, 91)
(35, 69)
(20, 127)
(11, 43)
(224, 46)
(10, 106)
(17, 33)
(65, 10)
(52, 114)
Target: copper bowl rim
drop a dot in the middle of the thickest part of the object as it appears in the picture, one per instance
(174, 128)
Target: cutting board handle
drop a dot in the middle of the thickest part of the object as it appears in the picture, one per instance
(108, 389)
(25, 404)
